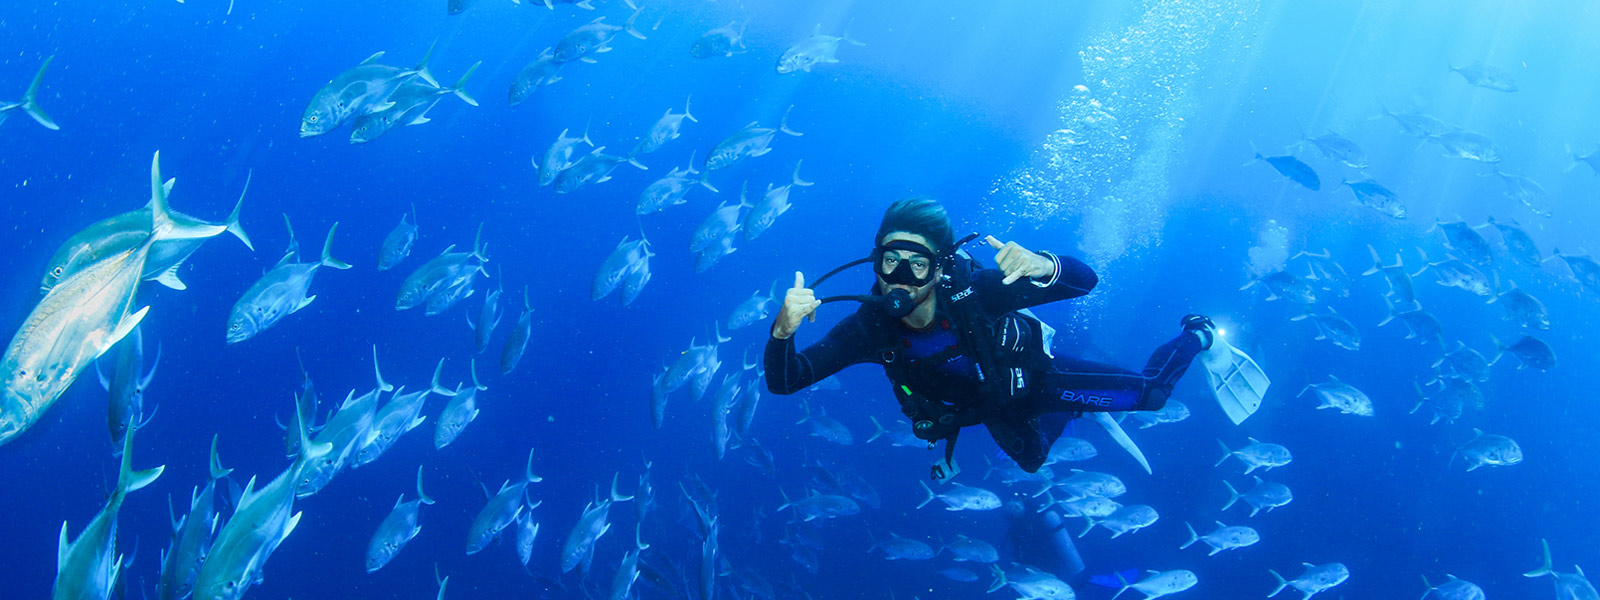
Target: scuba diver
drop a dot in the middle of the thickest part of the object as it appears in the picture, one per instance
(960, 349)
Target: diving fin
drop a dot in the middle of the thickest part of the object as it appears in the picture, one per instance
(1122, 438)
(1235, 378)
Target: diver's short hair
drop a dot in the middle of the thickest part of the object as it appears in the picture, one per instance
(921, 215)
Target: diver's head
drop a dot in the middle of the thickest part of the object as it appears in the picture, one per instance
(910, 238)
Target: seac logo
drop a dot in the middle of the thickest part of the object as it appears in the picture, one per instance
(1089, 399)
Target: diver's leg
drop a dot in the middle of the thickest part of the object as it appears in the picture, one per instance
(1075, 384)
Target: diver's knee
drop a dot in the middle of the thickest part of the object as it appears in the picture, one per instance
(1154, 399)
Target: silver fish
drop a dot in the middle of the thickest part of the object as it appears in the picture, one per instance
(750, 398)
(591, 525)
(628, 570)
(1086, 484)
(1465, 239)
(397, 245)
(261, 520)
(617, 265)
(517, 342)
(1373, 195)
(664, 130)
(1518, 243)
(1031, 583)
(30, 101)
(1463, 362)
(397, 529)
(527, 532)
(1265, 495)
(1418, 124)
(671, 190)
(708, 258)
(459, 412)
(281, 292)
(1584, 269)
(409, 105)
(961, 497)
(1469, 145)
(77, 322)
(1257, 454)
(1453, 272)
(1126, 519)
(594, 167)
(772, 205)
(1327, 272)
(544, 70)
(825, 427)
(593, 38)
(722, 404)
(127, 384)
(900, 436)
(191, 536)
(362, 89)
(441, 273)
(813, 50)
(127, 230)
(1489, 450)
(1334, 328)
(488, 319)
(820, 506)
(901, 548)
(1173, 412)
(1161, 583)
(1453, 589)
(88, 567)
(1223, 538)
(967, 549)
(559, 156)
(1528, 192)
(1401, 292)
(754, 309)
(638, 277)
(1339, 148)
(502, 510)
(722, 41)
(1573, 586)
(1420, 324)
(1340, 395)
(344, 434)
(752, 141)
(1283, 284)
(1445, 406)
(402, 413)
(721, 223)
(1531, 351)
(1523, 308)
(1487, 76)
(1317, 578)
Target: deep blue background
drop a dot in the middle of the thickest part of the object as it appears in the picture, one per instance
(949, 99)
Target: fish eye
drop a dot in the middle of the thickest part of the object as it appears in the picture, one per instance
(58, 270)
(314, 118)
(234, 327)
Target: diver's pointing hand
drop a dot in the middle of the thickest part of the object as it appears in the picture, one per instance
(1018, 262)
(800, 302)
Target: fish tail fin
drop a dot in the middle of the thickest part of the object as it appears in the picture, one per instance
(846, 35)
(160, 217)
(1499, 350)
(1393, 312)
(129, 480)
(310, 451)
(689, 170)
(795, 178)
(460, 90)
(436, 388)
(628, 26)
(686, 114)
(480, 250)
(1420, 397)
(217, 472)
(327, 251)
(1125, 585)
(999, 579)
(878, 429)
(233, 218)
(931, 495)
(1194, 536)
(382, 385)
(1546, 568)
(1226, 452)
(1377, 261)
(1282, 583)
(30, 101)
(615, 495)
(527, 472)
(783, 125)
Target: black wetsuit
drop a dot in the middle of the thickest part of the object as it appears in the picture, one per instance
(1025, 426)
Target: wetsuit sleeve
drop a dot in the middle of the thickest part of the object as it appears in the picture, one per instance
(789, 371)
(1073, 278)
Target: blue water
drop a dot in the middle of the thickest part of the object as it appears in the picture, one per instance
(956, 100)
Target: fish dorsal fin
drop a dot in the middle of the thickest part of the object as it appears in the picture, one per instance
(62, 547)
(373, 59)
(448, 249)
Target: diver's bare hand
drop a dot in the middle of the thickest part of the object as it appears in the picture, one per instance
(798, 304)
(1018, 262)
